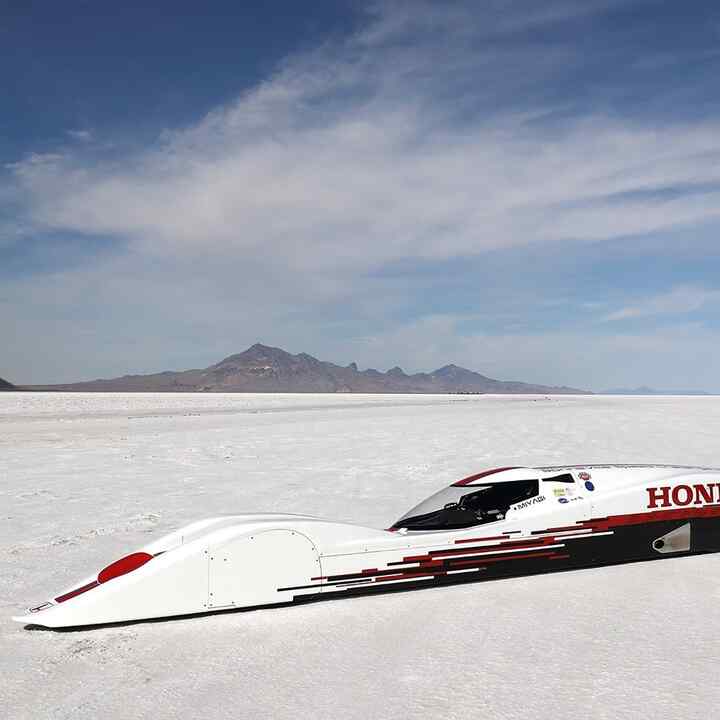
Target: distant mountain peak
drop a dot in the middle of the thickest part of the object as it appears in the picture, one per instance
(259, 348)
(254, 352)
(455, 371)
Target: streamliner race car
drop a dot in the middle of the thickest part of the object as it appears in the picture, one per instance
(496, 524)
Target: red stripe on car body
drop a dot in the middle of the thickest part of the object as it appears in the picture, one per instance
(76, 591)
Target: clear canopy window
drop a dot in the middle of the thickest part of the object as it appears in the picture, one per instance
(464, 506)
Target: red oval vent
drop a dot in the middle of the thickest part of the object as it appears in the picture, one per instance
(123, 566)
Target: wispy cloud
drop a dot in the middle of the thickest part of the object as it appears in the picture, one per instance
(25, 166)
(347, 153)
(678, 301)
(81, 135)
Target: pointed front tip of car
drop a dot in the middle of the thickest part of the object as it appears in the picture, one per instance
(30, 621)
(33, 616)
(140, 586)
(48, 615)
(61, 613)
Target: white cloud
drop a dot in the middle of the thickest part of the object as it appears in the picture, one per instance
(678, 301)
(24, 167)
(363, 189)
(81, 135)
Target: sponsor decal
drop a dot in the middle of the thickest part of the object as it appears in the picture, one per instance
(559, 492)
(683, 495)
(589, 485)
(563, 500)
(584, 475)
(528, 503)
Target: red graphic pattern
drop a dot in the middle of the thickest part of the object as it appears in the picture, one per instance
(440, 562)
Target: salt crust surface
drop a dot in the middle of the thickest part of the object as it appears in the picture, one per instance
(86, 478)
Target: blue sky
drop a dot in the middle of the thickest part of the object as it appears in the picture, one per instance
(529, 190)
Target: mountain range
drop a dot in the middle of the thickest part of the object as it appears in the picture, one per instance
(261, 368)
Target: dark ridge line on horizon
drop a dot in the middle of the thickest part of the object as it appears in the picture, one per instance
(262, 368)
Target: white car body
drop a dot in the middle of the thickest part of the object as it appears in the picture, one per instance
(569, 517)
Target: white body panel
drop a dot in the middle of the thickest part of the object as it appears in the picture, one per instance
(255, 558)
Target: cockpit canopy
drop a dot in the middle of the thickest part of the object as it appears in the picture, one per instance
(487, 497)
(461, 506)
